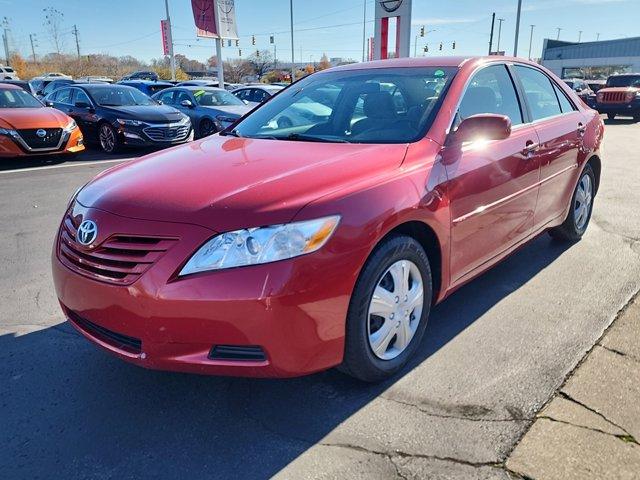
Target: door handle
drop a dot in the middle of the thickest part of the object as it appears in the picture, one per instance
(529, 148)
(581, 129)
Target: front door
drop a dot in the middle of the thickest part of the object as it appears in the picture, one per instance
(493, 186)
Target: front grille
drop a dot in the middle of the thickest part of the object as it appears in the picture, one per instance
(51, 139)
(167, 134)
(614, 97)
(120, 259)
(115, 339)
(237, 352)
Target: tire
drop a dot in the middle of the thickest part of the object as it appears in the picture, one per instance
(576, 224)
(360, 360)
(206, 128)
(611, 116)
(108, 139)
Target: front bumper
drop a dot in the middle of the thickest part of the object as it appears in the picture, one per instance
(71, 142)
(632, 108)
(154, 135)
(293, 310)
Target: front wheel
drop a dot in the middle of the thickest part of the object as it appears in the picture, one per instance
(580, 210)
(108, 139)
(388, 311)
(207, 127)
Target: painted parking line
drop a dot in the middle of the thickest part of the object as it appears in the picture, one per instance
(67, 165)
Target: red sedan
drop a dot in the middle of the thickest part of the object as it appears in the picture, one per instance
(278, 249)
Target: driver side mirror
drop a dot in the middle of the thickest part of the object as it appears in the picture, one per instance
(484, 126)
(246, 102)
(49, 103)
(82, 105)
(186, 103)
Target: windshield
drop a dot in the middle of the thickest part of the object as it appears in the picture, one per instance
(382, 105)
(216, 98)
(624, 81)
(120, 96)
(10, 98)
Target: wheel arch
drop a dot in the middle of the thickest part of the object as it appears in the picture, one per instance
(596, 166)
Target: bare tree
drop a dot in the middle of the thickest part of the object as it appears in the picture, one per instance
(236, 69)
(53, 20)
(261, 62)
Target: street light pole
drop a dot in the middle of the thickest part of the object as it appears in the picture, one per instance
(531, 41)
(558, 36)
(500, 20)
(172, 58)
(579, 36)
(293, 65)
(364, 30)
(515, 46)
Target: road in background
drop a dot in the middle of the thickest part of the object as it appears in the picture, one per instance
(493, 354)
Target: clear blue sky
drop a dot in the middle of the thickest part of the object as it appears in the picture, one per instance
(132, 27)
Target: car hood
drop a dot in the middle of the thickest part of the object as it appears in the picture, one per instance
(149, 113)
(618, 89)
(39, 117)
(232, 110)
(226, 183)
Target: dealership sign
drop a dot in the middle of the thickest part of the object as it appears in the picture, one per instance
(166, 36)
(215, 18)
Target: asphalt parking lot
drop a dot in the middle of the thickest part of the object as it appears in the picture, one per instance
(493, 354)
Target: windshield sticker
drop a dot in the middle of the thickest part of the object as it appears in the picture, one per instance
(199, 93)
(439, 73)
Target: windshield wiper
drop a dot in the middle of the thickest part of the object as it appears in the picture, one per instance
(310, 138)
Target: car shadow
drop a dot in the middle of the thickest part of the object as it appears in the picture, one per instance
(72, 411)
(620, 121)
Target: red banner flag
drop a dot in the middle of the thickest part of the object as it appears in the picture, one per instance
(204, 14)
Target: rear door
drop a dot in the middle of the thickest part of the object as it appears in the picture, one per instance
(85, 117)
(560, 127)
(492, 186)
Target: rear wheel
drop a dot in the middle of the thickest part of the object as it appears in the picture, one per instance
(579, 215)
(388, 310)
(108, 138)
(611, 116)
(207, 127)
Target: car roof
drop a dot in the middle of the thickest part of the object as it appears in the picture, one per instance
(9, 86)
(147, 82)
(429, 62)
(198, 87)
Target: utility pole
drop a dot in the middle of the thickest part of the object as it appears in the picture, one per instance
(293, 65)
(493, 22)
(5, 39)
(75, 34)
(515, 45)
(500, 20)
(579, 36)
(33, 48)
(364, 30)
(558, 35)
(531, 41)
(172, 58)
(597, 37)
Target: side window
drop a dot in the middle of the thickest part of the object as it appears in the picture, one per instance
(81, 97)
(243, 94)
(539, 91)
(182, 96)
(491, 90)
(565, 105)
(262, 95)
(64, 96)
(166, 98)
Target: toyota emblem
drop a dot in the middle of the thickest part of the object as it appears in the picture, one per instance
(87, 232)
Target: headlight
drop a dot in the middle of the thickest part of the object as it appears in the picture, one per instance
(129, 122)
(222, 118)
(71, 126)
(185, 119)
(261, 245)
(8, 131)
(74, 196)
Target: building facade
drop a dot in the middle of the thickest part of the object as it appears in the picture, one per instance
(591, 60)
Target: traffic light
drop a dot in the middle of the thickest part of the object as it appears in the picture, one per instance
(426, 49)
(440, 45)
(422, 31)
(253, 39)
(239, 52)
(272, 40)
(258, 53)
(454, 45)
(228, 43)
(237, 43)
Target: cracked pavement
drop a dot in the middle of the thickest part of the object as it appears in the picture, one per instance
(494, 354)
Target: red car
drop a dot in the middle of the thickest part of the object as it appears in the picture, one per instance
(280, 251)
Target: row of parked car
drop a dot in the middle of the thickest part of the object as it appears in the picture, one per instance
(133, 112)
(618, 95)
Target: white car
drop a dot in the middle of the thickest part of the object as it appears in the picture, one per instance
(55, 76)
(8, 73)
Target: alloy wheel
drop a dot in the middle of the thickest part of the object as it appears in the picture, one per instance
(107, 139)
(583, 199)
(395, 309)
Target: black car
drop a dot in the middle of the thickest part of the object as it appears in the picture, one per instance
(115, 116)
(23, 84)
(142, 75)
(43, 88)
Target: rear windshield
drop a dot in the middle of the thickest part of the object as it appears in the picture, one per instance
(156, 88)
(378, 105)
(624, 81)
(13, 98)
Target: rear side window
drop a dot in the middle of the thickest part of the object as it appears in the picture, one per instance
(82, 97)
(565, 105)
(540, 93)
(491, 90)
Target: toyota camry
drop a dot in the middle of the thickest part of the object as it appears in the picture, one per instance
(282, 250)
